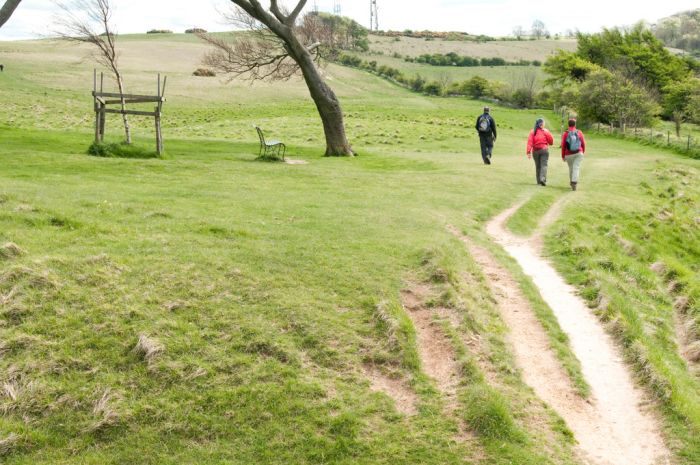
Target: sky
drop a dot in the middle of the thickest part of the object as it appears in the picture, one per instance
(33, 18)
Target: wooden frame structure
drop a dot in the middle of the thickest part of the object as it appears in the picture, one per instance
(103, 99)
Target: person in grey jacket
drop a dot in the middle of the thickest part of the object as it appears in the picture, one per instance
(486, 128)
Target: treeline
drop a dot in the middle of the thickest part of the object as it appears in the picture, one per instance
(431, 35)
(453, 59)
(335, 32)
(523, 96)
(680, 31)
(626, 78)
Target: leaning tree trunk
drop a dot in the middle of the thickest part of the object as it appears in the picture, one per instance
(331, 114)
(677, 120)
(7, 9)
(327, 105)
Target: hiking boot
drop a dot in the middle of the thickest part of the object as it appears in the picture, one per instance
(543, 183)
(573, 186)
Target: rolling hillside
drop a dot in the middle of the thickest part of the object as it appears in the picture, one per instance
(208, 308)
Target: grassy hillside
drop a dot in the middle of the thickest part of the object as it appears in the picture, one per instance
(392, 51)
(208, 308)
(508, 50)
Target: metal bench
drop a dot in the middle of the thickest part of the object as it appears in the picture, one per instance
(271, 148)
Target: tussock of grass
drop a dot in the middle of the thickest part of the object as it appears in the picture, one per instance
(10, 250)
(395, 329)
(488, 413)
(120, 150)
(9, 444)
(148, 348)
(106, 416)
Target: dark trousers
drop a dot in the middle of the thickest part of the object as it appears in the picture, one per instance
(486, 142)
(541, 158)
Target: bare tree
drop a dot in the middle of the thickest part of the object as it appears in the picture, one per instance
(277, 47)
(88, 21)
(7, 9)
(518, 32)
(538, 29)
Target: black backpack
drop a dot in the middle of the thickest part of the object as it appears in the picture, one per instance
(484, 123)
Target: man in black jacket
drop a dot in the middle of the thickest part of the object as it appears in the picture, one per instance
(486, 127)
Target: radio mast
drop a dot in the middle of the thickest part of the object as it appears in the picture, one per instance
(373, 18)
(336, 7)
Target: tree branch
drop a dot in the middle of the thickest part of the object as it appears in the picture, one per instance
(275, 9)
(292, 18)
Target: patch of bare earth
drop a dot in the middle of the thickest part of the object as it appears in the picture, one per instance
(437, 355)
(612, 427)
(404, 398)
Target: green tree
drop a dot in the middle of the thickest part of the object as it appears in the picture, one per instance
(680, 102)
(565, 66)
(476, 87)
(615, 99)
(636, 53)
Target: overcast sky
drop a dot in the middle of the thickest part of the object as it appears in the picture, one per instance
(490, 17)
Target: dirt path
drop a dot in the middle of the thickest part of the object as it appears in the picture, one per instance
(438, 358)
(612, 428)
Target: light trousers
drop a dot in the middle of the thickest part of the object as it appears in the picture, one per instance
(574, 161)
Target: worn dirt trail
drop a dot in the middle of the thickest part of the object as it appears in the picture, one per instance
(438, 358)
(613, 427)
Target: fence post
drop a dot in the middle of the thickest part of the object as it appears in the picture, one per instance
(651, 134)
(688, 142)
(668, 138)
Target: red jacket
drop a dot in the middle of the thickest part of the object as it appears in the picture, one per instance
(539, 141)
(565, 151)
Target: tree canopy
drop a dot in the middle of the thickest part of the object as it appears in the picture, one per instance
(622, 77)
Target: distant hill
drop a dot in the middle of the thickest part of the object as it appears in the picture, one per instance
(681, 31)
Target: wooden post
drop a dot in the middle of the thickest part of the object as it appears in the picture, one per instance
(668, 138)
(688, 142)
(94, 105)
(159, 139)
(159, 108)
(103, 117)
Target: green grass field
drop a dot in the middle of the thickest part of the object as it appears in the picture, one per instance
(211, 308)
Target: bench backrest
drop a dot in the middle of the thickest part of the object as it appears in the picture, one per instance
(260, 135)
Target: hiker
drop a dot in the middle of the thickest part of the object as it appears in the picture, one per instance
(538, 143)
(573, 147)
(486, 127)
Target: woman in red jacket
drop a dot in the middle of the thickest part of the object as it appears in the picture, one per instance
(538, 143)
(573, 147)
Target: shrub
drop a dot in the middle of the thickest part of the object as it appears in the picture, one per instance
(433, 88)
(204, 72)
(196, 30)
(476, 87)
(417, 84)
(159, 31)
(350, 60)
